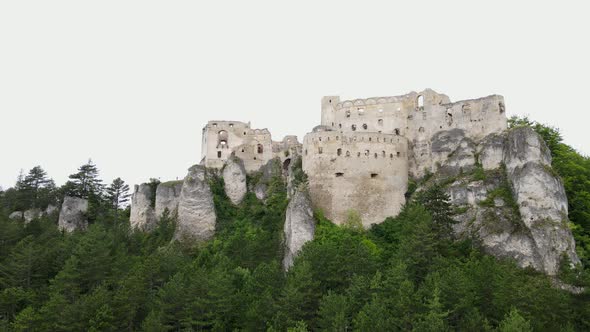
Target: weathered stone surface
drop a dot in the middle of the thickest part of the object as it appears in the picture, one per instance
(73, 214)
(540, 196)
(299, 226)
(50, 209)
(16, 215)
(234, 177)
(531, 228)
(31, 215)
(196, 210)
(142, 215)
(260, 191)
(168, 197)
(497, 228)
(491, 151)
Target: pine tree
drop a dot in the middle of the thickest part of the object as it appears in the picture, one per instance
(514, 322)
(85, 183)
(118, 193)
(437, 202)
(32, 185)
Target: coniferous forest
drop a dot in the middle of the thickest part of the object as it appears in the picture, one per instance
(406, 274)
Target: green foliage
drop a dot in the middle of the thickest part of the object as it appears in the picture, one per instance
(85, 183)
(403, 274)
(514, 322)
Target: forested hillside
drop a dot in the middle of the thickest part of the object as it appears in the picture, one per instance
(404, 274)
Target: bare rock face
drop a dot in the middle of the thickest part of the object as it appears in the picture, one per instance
(16, 215)
(234, 176)
(540, 196)
(50, 209)
(31, 215)
(491, 151)
(168, 197)
(196, 210)
(299, 226)
(517, 212)
(73, 214)
(142, 215)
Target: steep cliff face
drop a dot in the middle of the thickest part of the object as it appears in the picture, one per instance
(168, 197)
(196, 210)
(142, 215)
(299, 226)
(73, 214)
(234, 177)
(507, 196)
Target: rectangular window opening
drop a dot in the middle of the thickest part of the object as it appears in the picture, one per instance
(374, 175)
(339, 175)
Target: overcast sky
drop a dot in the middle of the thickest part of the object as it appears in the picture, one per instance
(130, 84)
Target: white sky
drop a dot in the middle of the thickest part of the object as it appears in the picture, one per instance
(130, 84)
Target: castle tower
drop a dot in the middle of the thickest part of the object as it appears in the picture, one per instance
(357, 160)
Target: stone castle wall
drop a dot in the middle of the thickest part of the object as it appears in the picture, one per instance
(223, 139)
(364, 172)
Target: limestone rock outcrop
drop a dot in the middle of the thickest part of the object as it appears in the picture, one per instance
(508, 196)
(16, 215)
(50, 209)
(168, 197)
(196, 210)
(143, 216)
(72, 215)
(31, 215)
(234, 177)
(540, 196)
(299, 226)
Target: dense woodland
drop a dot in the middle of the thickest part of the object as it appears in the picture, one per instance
(404, 274)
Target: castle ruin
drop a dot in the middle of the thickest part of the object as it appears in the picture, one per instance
(364, 151)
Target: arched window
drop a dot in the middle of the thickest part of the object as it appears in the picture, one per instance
(383, 154)
(376, 155)
(260, 149)
(396, 131)
(353, 127)
(380, 122)
(391, 155)
(339, 152)
(421, 130)
(222, 139)
(218, 154)
(420, 101)
(348, 114)
(320, 150)
(365, 126)
(348, 153)
(367, 152)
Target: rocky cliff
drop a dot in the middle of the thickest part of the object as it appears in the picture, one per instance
(196, 210)
(299, 226)
(168, 197)
(234, 176)
(73, 214)
(506, 195)
(143, 216)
